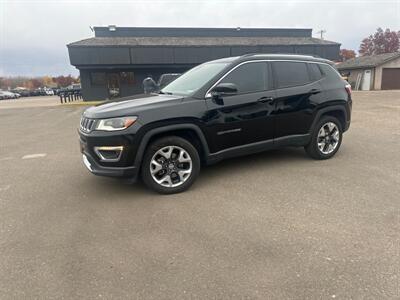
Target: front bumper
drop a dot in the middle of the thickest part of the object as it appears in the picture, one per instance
(123, 167)
(95, 168)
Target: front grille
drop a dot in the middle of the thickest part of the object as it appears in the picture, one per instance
(87, 124)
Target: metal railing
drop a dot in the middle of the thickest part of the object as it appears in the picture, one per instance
(70, 96)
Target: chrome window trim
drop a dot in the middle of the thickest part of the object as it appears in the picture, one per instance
(208, 93)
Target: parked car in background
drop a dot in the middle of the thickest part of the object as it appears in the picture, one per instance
(42, 91)
(48, 92)
(74, 86)
(166, 79)
(36, 92)
(8, 95)
(56, 91)
(16, 95)
(163, 81)
(23, 92)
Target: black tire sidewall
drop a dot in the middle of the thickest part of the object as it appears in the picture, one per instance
(312, 149)
(157, 145)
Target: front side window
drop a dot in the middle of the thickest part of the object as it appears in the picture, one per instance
(249, 77)
(289, 73)
(194, 79)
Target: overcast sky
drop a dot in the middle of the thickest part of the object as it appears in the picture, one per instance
(34, 34)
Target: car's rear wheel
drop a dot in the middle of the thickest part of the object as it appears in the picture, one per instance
(326, 138)
(170, 165)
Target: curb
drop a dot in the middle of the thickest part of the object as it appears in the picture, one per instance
(82, 103)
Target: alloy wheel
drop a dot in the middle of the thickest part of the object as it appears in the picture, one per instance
(171, 166)
(328, 138)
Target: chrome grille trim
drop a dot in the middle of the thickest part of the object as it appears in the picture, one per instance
(86, 124)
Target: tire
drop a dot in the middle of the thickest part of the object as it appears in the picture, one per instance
(330, 142)
(172, 157)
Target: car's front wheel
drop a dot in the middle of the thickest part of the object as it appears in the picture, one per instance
(326, 138)
(170, 165)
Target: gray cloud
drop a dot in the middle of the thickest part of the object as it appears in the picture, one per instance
(34, 33)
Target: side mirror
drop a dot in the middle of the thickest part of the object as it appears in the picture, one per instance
(225, 89)
(221, 90)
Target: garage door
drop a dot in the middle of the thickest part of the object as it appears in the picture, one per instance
(391, 79)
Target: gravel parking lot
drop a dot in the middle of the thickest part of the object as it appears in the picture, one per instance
(272, 225)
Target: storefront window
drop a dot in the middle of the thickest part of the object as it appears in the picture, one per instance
(113, 83)
(98, 78)
(127, 78)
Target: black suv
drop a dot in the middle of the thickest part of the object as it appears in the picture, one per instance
(219, 109)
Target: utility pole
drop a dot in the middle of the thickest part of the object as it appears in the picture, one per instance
(322, 31)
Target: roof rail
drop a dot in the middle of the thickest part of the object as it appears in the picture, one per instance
(250, 54)
(281, 53)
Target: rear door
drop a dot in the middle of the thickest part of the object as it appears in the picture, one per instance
(245, 117)
(298, 91)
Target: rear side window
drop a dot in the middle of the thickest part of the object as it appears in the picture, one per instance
(249, 77)
(290, 73)
(330, 72)
(315, 72)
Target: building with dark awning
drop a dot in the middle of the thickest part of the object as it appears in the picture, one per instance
(115, 61)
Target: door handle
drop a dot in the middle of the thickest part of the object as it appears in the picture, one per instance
(315, 91)
(265, 99)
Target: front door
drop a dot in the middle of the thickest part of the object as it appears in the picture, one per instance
(113, 85)
(246, 117)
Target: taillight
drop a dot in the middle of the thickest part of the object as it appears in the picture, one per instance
(348, 89)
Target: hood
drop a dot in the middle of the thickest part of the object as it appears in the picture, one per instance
(130, 105)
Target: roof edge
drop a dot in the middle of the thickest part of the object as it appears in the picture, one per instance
(363, 66)
(206, 28)
(114, 31)
(279, 42)
(390, 58)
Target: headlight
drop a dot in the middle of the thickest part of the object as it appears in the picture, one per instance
(115, 123)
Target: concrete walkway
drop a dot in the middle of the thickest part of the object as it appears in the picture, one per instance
(41, 101)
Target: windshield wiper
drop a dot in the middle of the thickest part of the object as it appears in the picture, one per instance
(165, 93)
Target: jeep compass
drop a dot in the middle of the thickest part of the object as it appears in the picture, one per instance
(219, 109)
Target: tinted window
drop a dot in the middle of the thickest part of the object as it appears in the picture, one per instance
(127, 77)
(249, 77)
(98, 78)
(290, 73)
(315, 72)
(330, 72)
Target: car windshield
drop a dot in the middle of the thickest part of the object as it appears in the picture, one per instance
(193, 79)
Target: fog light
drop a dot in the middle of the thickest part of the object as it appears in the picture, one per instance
(109, 153)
